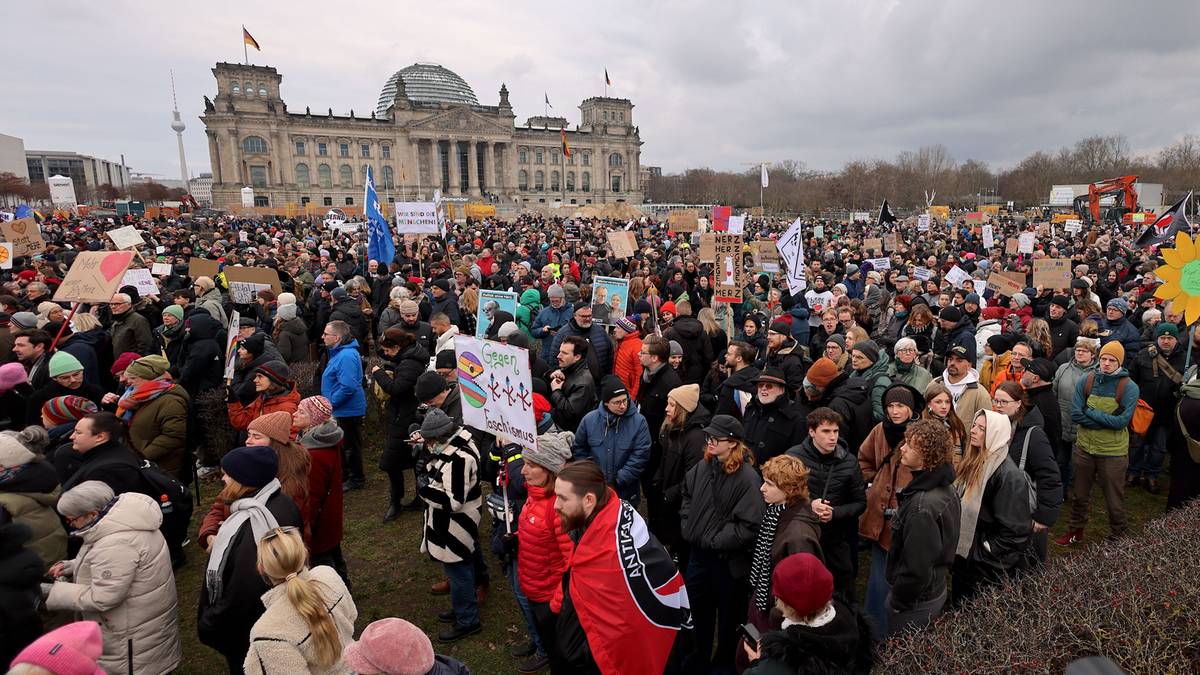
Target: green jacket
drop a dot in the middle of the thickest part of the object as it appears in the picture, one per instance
(878, 376)
(915, 375)
(1103, 421)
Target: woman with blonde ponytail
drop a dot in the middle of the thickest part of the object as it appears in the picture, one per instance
(309, 613)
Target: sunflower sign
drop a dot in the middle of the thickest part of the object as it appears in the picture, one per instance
(494, 380)
(1181, 276)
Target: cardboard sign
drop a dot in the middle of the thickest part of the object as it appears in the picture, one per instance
(244, 292)
(1010, 247)
(766, 256)
(891, 242)
(496, 385)
(872, 244)
(94, 276)
(141, 279)
(942, 213)
(683, 221)
(1025, 242)
(160, 269)
(708, 247)
(623, 244)
(203, 267)
(730, 271)
(1006, 283)
(255, 275)
(1052, 273)
(25, 236)
(126, 237)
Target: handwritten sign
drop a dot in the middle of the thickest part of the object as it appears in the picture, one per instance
(1052, 273)
(1006, 283)
(708, 247)
(244, 292)
(255, 275)
(922, 273)
(1025, 242)
(730, 270)
(956, 276)
(126, 237)
(142, 279)
(872, 244)
(891, 242)
(989, 238)
(160, 269)
(1010, 247)
(923, 222)
(495, 382)
(94, 276)
(818, 231)
(683, 221)
(24, 235)
(766, 257)
(623, 244)
(737, 224)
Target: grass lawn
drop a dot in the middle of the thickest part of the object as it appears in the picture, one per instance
(391, 577)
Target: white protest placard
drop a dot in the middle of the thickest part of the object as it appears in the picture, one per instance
(864, 216)
(989, 239)
(1074, 226)
(880, 263)
(1025, 242)
(243, 292)
(980, 286)
(6, 256)
(141, 279)
(923, 222)
(957, 276)
(126, 237)
(737, 224)
(344, 227)
(819, 231)
(416, 217)
(497, 389)
(160, 249)
(6, 216)
(791, 253)
(230, 346)
(922, 273)
(160, 269)
(243, 236)
(62, 192)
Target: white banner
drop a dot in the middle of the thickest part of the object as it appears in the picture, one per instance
(497, 390)
(126, 237)
(1025, 242)
(737, 224)
(988, 237)
(880, 263)
(141, 279)
(923, 222)
(62, 192)
(791, 253)
(416, 217)
(956, 276)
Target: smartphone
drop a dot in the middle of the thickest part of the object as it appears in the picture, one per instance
(750, 633)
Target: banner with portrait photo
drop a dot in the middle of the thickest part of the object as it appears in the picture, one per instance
(490, 302)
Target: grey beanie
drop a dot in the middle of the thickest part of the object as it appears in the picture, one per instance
(286, 312)
(676, 349)
(553, 451)
(90, 495)
(437, 425)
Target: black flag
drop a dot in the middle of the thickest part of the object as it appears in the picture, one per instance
(1163, 229)
(886, 215)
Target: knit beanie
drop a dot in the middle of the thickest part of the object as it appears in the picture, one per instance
(276, 426)
(676, 348)
(611, 387)
(286, 312)
(437, 425)
(13, 452)
(409, 307)
(869, 349)
(553, 451)
(780, 326)
(668, 308)
(72, 649)
(63, 363)
(429, 385)
(149, 367)
(822, 372)
(251, 465)
(122, 362)
(899, 394)
(11, 375)
(286, 299)
(174, 310)
(277, 372)
(837, 339)
(803, 583)
(1114, 348)
(318, 408)
(390, 646)
(24, 320)
(255, 344)
(1119, 304)
(63, 409)
(686, 397)
(626, 324)
(1062, 301)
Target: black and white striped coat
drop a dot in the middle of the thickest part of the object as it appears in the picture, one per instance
(454, 501)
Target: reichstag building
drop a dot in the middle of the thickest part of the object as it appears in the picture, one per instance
(428, 132)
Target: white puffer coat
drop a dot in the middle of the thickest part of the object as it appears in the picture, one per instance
(124, 581)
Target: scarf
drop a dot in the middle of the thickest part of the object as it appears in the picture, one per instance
(253, 509)
(140, 395)
(894, 433)
(171, 331)
(761, 568)
(971, 503)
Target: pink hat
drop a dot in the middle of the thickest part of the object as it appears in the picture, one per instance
(70, 650)
(392, 646)
(318, 408)
(11, 374)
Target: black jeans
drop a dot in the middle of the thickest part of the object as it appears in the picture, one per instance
(546, 622)
(719, 606)
(352, 463)
(333, 558)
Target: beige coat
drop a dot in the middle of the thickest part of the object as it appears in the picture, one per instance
(123, 580)
(279, 641)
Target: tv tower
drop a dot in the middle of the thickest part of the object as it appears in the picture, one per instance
(178, 126)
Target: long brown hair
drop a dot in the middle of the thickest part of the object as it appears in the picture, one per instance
(1017, 393)
(282, 558)
(958, 433)
(1039, 332)
(294, 463)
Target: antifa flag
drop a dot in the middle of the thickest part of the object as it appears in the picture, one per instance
(885, 214)
(1164, 228)
(629, 596)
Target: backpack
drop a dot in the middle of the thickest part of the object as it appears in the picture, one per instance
(1143, 414)
(171, 495)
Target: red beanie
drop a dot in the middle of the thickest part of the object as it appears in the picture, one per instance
(123, 361)
(802, 583)
(668, 306)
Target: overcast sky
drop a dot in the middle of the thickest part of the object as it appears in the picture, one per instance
(714, 83)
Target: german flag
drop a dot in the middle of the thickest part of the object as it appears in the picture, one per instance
(606, 78)
(566, 149)
(249, 39)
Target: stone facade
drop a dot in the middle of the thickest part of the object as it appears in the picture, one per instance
(414, 148)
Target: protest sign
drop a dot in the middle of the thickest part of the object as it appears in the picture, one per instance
(872, 244)
(255, 275)
(1052, 273)
(496, 385)
(1006, 283)
(416, 217)
(891, 242)
(880, 263)
(490, 302)
(623, 244)
(862, 216)
(126, 237)
(94, 276)
(6, 256)
(819, 231)
(1074, 226)
(956, 276)
(230, 344)
(973, 218)
(244, 292)
(980, 286)
(791, 253)
(1025, 242)
(922, 273)
(1010, 247)
(720, 218)
(160, 269)
(766, 256)
(942, 213)
(708, 247)
(141, 279)
(24, 235)
(989, 238)
(683, 221)
(203, 267)
(729, 268)
(737, 224)
(923, 222)
(610, 299)
(571, 230)
(62, 192)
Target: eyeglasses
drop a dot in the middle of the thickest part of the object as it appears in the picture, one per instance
(287, 529)
(716, 439)
(1000, 401)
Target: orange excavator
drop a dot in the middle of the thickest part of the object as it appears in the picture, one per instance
(1125, 210)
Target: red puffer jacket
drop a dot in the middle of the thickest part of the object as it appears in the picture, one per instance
(544, 549)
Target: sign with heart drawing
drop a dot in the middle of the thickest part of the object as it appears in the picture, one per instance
(94, 276)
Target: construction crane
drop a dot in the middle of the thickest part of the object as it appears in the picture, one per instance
(1126, 210)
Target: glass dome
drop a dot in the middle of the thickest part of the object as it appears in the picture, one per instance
(427, 82)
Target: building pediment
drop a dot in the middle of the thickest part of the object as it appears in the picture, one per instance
(460, 120)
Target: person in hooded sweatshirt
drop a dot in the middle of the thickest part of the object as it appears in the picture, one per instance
(617, 438)
(962, 381)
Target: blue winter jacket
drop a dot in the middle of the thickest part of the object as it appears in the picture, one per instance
(601, 353)
(854, 288)
(1125, 333)
(800, 327)
(620, 445)
(553, 318)
(342, 381)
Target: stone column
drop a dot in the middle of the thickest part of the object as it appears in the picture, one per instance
(214, 156)
(510, 168)
(436, 146)
(455, 169)
(473, 168)
(412, 169)
(489, 168)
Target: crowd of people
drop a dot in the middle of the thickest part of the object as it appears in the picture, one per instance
(799, 474)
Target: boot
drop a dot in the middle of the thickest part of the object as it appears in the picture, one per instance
(395, 501)
(1070, 538)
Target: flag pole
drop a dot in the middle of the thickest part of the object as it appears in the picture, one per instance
(245, 52)
(760, 186)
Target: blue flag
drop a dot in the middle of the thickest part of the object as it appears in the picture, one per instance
(23, 211)
(379, 236)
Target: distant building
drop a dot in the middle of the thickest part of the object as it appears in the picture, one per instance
(12, 156)
(201, 189)
(649, 172)
(87, 172)
(170, 183)
(429, 132)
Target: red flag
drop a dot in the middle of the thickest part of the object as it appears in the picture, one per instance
(630, 599)
(720, 218)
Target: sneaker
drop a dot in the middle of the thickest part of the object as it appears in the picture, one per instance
(459, 632)
(533, 664)
(440, 588)
(1070, 538)
(521, 651)
(447, 616)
